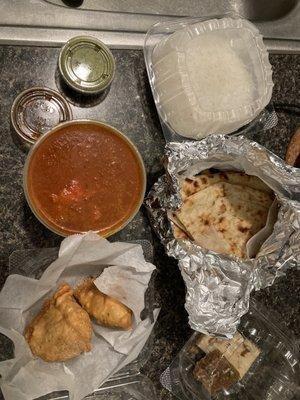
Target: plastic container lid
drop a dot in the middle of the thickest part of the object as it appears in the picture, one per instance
(86, 64)
(36, 111)
(132, 387)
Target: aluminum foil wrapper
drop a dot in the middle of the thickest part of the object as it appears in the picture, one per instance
(219, 286)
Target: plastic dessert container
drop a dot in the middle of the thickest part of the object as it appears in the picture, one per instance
(83, 176)
(272, 374)
(208, 75)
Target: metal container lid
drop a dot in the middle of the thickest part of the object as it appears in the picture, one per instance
(36, 111)
(86, 64)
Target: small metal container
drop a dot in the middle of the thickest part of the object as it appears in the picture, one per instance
(86, 65)
(36, 111)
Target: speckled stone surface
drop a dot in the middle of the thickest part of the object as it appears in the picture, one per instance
(129, 106)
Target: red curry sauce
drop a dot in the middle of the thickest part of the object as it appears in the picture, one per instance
(85, 177)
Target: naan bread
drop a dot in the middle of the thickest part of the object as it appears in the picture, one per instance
(179, 230)
(179, 233)
(224, 216)
(206, 179)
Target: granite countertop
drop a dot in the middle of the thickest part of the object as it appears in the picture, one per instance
(129, 107)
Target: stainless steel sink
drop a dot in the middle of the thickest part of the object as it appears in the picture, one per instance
(258, 10)
(123, 23)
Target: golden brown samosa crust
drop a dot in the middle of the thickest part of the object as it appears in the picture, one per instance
(61, 330)
(104, 309)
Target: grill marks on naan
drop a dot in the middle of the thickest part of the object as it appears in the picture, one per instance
(206, 179)
(221, 213)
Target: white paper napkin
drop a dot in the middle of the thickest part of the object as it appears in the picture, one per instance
(123, 273)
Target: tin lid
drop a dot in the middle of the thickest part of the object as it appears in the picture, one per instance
(86, 64)
(36, 111)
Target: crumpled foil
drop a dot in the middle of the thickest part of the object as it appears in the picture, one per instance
(219, 286)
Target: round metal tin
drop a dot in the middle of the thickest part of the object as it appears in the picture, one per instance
(86, 65)
(36, 111)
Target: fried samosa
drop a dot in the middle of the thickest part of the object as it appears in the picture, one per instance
(104, 309)
(62, 329)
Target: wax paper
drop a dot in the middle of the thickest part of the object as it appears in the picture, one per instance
(122, 272)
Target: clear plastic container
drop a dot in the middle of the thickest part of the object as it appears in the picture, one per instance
(128, 383)
(171, 49)
(36, 111)
(273, 375)
(121, 387)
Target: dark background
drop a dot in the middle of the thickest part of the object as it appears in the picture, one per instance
(129, 107)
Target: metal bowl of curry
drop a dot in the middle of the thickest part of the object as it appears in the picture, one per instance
(84, 175)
